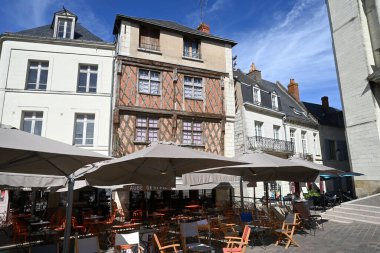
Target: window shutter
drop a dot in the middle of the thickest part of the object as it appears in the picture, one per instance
(327, 150)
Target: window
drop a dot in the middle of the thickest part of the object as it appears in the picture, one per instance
(149, 82)
(256, 96)
(276, 132)
(293, 138)
(32, 122)
(37, 75)
(150, 38)
(192, 133)
(274, 102)
(84, 129)
(146, 129)
(191, 48)
(88, 75)
(304, 142)
(64, 28)
(331, 150)
(258, 129)
(193, 87)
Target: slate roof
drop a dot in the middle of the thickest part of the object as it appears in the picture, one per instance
(170, 25)
(331, 117)
(286, 103)
(46, 31)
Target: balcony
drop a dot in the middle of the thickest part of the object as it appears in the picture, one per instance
(269, 144)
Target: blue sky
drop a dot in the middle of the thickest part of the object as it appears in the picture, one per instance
(284, 38)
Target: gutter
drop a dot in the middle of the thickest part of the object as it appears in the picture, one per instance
(47, 40)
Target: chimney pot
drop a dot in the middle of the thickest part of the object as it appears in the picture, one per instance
(255, 73)
(325, 102)
(203, 27)
(293, 90)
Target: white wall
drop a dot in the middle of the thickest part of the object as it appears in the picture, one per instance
(354, 57)
(60, 101)
(251, 116)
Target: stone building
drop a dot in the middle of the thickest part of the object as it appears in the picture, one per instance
(333, 142)
(56, 81)
(272, 119)
(174, 84)
(355, 29)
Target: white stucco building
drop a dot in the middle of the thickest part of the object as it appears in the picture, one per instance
(355, 28)
(271, 119)
(56, 81)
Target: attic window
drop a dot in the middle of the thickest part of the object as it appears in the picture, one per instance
(64, 28)
(274, 101)
(256, 96)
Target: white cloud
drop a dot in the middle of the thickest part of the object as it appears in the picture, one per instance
(28, 14)
(298, 46)
(194, 18)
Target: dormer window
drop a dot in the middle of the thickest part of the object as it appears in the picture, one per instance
(256, 96)
(274, 101)
(64, 28)
(64, 24)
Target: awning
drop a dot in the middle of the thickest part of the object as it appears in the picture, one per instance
(209, 186)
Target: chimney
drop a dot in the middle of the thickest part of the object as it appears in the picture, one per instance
(255, 73)
(203, 27)
(325, 102)
(293, 90)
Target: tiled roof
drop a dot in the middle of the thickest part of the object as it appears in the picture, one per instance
(331, 117)
(170, 25)
(286, 103)
(46, 31)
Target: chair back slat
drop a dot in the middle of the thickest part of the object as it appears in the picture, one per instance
(85, 245)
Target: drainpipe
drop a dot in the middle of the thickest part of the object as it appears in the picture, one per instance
(283, 124)
(372, 11)
(112, 104)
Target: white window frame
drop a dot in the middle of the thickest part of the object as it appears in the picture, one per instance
(32, 119)
(193, 87)
(259, 129)
(88, 71)
(256, 99)
(149, 80)
(85, 121)
(304, 141)
(274, 101)
(148, 127)
(276, 132)
(192, 131)
(66, 21)
(39, 68)
(293, 137)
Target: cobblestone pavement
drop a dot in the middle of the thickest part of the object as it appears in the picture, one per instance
(373, 201)
(336, 237)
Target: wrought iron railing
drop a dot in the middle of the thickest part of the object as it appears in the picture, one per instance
(269, 144)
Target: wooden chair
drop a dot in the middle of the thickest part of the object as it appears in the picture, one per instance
(238, 244)
(187, 231)
(137, 216)
(80, 229)
(171, 247)
(20, 232)
(85, 245)
(285, 234)
(128, 241)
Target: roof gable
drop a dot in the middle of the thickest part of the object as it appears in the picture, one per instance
(286, 103)
(170, 25)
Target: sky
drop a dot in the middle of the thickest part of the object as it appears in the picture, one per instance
(284, 38)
